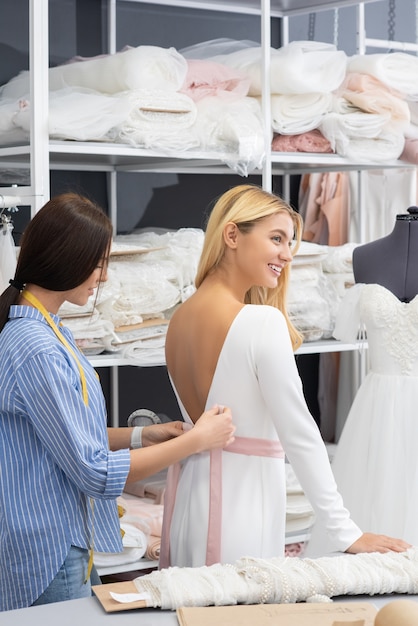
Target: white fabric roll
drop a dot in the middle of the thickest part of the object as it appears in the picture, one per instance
(299, 113)
(143, 67)
(398, 70)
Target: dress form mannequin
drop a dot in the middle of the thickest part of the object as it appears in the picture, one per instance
(392, 261)
(381, 430)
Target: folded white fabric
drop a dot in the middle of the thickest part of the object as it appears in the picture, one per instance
(143, 67)
(398, 70)
(369, 94)
(135, 543)
(233, 127)
(80, 114)
(157, 120)
(293, 114)
(361, 136)
(300, 67)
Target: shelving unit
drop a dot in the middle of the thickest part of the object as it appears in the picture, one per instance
(41, 154)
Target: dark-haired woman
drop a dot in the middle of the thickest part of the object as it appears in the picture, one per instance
(61, 468)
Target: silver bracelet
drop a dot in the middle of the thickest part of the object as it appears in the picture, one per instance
(136, 437)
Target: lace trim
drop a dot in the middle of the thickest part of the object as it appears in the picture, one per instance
(282, 580)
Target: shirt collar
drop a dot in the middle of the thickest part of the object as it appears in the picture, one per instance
(29, 312)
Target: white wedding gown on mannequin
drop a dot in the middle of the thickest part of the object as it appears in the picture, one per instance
(376, 462)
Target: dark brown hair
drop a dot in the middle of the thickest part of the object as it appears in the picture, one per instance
(60, 248)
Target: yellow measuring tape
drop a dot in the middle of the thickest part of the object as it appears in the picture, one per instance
(40, 307)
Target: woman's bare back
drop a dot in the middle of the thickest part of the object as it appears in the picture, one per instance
(195, 338)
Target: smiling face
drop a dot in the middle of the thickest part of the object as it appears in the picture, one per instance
(265, 250)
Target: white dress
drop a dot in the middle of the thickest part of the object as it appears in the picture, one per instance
(256, 376)
(376, 462)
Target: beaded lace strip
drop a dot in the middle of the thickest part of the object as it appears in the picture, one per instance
(282, 580)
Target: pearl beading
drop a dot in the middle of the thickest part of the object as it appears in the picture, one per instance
(282, 580)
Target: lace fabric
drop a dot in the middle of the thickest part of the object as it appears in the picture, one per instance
(282, 580)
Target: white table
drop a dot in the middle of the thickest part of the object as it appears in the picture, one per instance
(89, 611)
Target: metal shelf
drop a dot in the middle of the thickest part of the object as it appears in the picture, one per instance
(309, 347)
(278, 8)
(77, 155)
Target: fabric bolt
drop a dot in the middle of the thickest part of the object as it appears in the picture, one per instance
(266, 398)
(381, 430)
(282, 580)
(61, 463)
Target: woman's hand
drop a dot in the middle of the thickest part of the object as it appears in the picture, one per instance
(369, 542)
(215, 428)
(157, 433)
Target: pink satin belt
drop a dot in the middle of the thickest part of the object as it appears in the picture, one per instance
(241, 445)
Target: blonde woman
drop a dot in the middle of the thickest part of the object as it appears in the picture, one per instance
(232, 343)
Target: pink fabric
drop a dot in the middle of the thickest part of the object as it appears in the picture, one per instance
(207, 78)
(311, 141)
(242, 445)
(410, 151)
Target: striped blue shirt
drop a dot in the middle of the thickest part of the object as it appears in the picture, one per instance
(54, 458)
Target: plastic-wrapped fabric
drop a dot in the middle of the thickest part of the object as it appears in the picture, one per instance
(80, 114)
(206, 78)
(234, 128)
(299, 67)
(143, 67)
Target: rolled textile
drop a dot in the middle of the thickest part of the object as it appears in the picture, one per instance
(300, 67)
(369, 94)
(153, 547)
(281, 580)
(398, 70)
(292, 114)
(143, 67)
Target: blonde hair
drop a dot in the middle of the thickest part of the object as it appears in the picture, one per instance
(245, 205)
